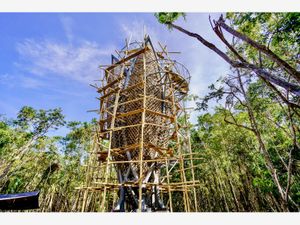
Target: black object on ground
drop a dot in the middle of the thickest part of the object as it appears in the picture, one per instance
(19, 201)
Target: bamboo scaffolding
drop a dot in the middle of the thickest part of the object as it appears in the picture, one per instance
(140, 100)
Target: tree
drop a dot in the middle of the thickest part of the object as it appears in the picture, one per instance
(32, 159)
(263, 72)
(30, 126)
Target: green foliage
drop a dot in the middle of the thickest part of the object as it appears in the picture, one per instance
(30, 159)
(39, 121)
(232, 153)
(278, 31)
(168, 17)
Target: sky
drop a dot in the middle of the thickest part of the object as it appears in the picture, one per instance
(48, 60)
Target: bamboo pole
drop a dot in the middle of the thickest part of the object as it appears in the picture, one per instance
(181, 164)
(110, 141)
(169, 189)
(142, 135)
(89, 171)
(191, 160)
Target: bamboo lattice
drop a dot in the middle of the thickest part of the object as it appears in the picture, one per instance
(142, 154)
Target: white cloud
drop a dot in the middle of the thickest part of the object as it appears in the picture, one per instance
(136, 30)
(4, 77)
(133, 31)
(67, 24)
(78, 62)
(20, 80)
(30, 82)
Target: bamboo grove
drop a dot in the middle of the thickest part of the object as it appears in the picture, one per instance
(248, 145)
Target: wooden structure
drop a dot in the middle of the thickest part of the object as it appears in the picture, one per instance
(141, 153)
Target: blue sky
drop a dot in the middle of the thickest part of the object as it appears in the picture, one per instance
(48, 60)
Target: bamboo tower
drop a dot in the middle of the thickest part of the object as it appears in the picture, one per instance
(142, 155)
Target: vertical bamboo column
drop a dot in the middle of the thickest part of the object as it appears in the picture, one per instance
(102, 111)
(112, 126)
(168, 183)
(89, 171)
(191, 156)
(182, 171)
(142, 133)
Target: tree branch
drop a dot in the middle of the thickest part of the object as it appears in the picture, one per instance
(283, 64)
(295, 89)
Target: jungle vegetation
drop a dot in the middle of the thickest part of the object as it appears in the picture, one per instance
(249, 144)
